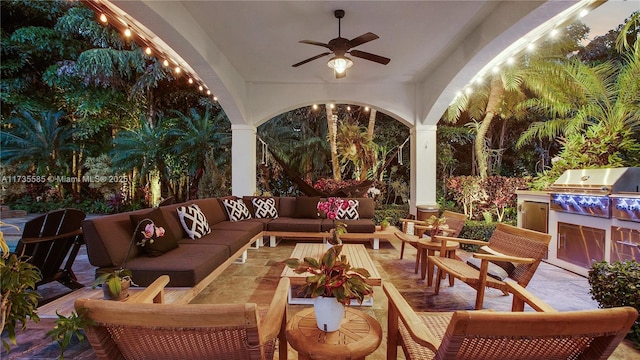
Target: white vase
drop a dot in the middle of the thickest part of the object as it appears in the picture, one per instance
(329, 313)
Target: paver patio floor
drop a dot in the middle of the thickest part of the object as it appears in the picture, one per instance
(255, 281)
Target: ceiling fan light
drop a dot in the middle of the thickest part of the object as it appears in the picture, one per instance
(340, 64)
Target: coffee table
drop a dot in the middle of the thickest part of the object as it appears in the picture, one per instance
(359, 335)
(356, 255)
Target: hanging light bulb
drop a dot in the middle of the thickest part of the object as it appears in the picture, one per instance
(190, 80)
(177, 70)
(208, 92)
(103, 18)
(127, 32)
(165, 63)
(340, 64)
(147, 51)
(314, 106)
(200, 88)
(215, 98)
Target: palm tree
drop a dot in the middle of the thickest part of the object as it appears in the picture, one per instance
(575, 96)
(141, 149)
(196, 135)
(355, 146)
(505, 91)
(44, 144)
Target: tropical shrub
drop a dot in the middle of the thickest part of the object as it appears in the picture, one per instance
(617, 284)
(501, 192)
(467, 191)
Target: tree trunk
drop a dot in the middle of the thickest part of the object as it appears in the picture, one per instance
(503, 134)
(495, 98)
(372, 123)
(332, 124)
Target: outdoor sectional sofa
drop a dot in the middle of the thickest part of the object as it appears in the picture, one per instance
(195, 263)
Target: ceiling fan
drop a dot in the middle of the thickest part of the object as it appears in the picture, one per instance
(340, 47)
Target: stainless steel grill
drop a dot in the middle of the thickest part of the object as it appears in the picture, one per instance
(595, 192)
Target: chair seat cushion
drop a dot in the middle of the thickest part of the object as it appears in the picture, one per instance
(493, 270)
(505, 265)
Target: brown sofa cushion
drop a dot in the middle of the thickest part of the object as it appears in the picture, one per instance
(353, 226)
(366, 208)
(160, 245)
(286, 206)
(307, 207)
(212, 209)
(294, 224)
(186, 266)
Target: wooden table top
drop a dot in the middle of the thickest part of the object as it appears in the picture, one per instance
(358, 336)
(356, 254)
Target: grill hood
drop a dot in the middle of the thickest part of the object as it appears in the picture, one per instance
(607, 181)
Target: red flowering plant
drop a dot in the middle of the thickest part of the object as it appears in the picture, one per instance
(330, 209)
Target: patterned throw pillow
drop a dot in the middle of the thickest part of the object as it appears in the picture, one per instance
(236, 209)
(193, 221)
(350, 213)
(265, 208)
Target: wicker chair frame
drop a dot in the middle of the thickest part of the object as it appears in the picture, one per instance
(142, 327)
(487, 335)
(523, 247)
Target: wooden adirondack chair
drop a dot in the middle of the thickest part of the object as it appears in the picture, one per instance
(51, 242)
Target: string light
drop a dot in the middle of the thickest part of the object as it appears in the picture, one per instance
(314, 106)
(366, 108)
(127, 32)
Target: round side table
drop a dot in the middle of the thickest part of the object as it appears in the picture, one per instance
(358, 336)
(426, 247)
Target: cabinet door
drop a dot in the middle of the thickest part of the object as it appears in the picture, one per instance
(580, 245)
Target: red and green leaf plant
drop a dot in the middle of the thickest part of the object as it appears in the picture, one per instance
(332, 276)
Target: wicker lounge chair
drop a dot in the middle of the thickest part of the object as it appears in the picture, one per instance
(139, 329)
(511, 252)
(546, 334)
(412, 230)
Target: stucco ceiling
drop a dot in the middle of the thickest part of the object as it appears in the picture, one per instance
(243, 50)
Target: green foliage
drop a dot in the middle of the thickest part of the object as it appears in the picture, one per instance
(617, 284)
(501, 192)
(69, 327)
(391, 212)
(113, 280)
(332, 276)
(468, 191)
(44, 142)
(19, 300)
(477, 230)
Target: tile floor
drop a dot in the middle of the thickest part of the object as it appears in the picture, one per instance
(255, 281)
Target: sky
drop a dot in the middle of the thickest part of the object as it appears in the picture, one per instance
(609, 15)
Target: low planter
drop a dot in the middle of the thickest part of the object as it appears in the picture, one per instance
(123, 294)
(329, 313)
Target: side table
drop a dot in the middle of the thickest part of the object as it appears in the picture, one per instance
(358, 336)
(427, 248)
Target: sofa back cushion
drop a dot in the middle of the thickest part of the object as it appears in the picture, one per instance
(287, 206)
(108, 237)
(366, 208)
(212, 210)
(307, 207)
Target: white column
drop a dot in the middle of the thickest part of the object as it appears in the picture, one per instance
(423, 166)
(243, 159)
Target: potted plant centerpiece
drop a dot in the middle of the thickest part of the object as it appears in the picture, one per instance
(115, 284)
(333, 283)
(438, 226)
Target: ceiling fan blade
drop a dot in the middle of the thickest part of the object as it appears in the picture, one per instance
(369, 56)
(310, 59)
(317, 43)
(364, 38)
